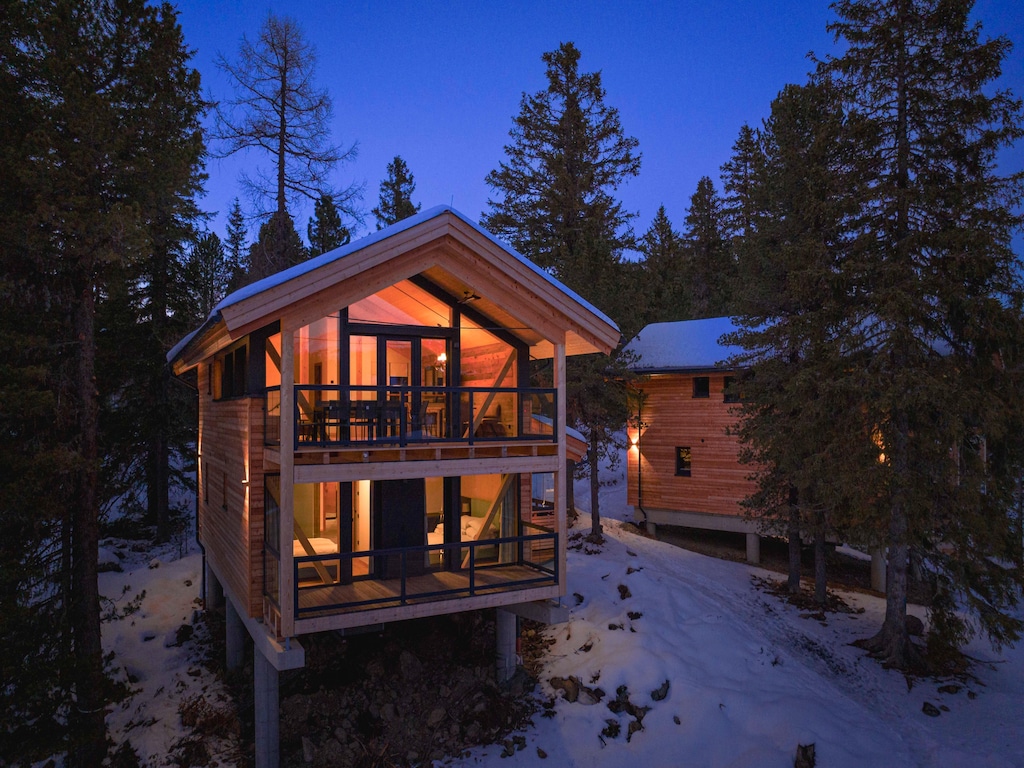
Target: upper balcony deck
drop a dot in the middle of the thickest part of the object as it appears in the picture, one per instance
(331, 417)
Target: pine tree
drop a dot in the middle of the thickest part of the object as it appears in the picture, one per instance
(206, 277)
(167, 134)
(738, 175)
(93, 94)
(325, 230)
(708, 269)
(665, 295)
(937, 294)
(34, 496)
(235, 245)
(396, 195)
(554, 204)
(277, 247)
(279, 110)
(799, 416)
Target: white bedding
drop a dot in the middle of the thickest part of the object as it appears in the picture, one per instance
(469, 525)
(320, 547)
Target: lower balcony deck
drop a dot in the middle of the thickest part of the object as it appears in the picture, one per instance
(368, 594)
(407, 587)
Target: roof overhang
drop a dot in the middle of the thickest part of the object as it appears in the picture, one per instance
(445, 248)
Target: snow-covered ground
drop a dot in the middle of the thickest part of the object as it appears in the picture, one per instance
(749, 677)
(145, 607)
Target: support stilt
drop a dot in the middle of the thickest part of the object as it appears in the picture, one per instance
(505, 633)
(267, 705)
(753, 548)
(235, 637)
(214, 597)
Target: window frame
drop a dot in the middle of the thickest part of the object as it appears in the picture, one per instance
(703, 392)
(684, 466)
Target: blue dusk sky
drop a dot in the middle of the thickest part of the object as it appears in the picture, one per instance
(439, 83)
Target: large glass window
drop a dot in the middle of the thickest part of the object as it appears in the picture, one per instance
(487, 362)
(317, 530)
(403, 303)
(316, 352)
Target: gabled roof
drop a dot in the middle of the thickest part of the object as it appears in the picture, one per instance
(686, 345)
(443, 245)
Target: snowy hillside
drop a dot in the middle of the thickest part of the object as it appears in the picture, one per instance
(748, 677)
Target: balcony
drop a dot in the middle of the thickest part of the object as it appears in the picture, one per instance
(324, 584)
(330, 416)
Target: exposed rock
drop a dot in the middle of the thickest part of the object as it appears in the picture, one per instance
(574, 690)
(410, 666)
(661, 692)
(930, 709)
(569, 686)
(624, 592)
(435, 717)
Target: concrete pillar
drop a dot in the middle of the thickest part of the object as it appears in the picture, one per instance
(235, 637)
(652, 529)
(753, 548)
(214, 597)
(878, 569)
(268, 713)
(505, 634)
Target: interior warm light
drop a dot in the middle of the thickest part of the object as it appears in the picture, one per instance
(442, 358)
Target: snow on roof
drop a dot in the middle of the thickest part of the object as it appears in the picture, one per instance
(683, 345)
(338, 253)
(174, 351)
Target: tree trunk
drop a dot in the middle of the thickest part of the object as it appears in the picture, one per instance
(793, 582)
(892, 643)
(595, 487)
(158, 461)
(820, 582)
(282, 144)
(89, 737)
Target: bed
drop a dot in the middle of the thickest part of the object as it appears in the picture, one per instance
(471, 528)
(320, 547)
(327, 571)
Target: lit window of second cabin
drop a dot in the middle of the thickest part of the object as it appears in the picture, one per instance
(683, 461)
(701, 386)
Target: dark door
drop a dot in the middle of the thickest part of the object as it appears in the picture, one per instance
(399, 512)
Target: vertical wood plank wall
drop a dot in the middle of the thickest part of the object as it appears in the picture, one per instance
(232, 442)
(675, 418)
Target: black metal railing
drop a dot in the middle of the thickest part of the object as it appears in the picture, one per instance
(407, 565)
(331, 415)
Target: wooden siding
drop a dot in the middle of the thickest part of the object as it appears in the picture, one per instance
(674, 418)
(231, 492)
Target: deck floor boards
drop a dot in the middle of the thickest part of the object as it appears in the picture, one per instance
(342, 598)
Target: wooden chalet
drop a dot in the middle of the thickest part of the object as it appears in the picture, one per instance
(370, 446)
(682, 465)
